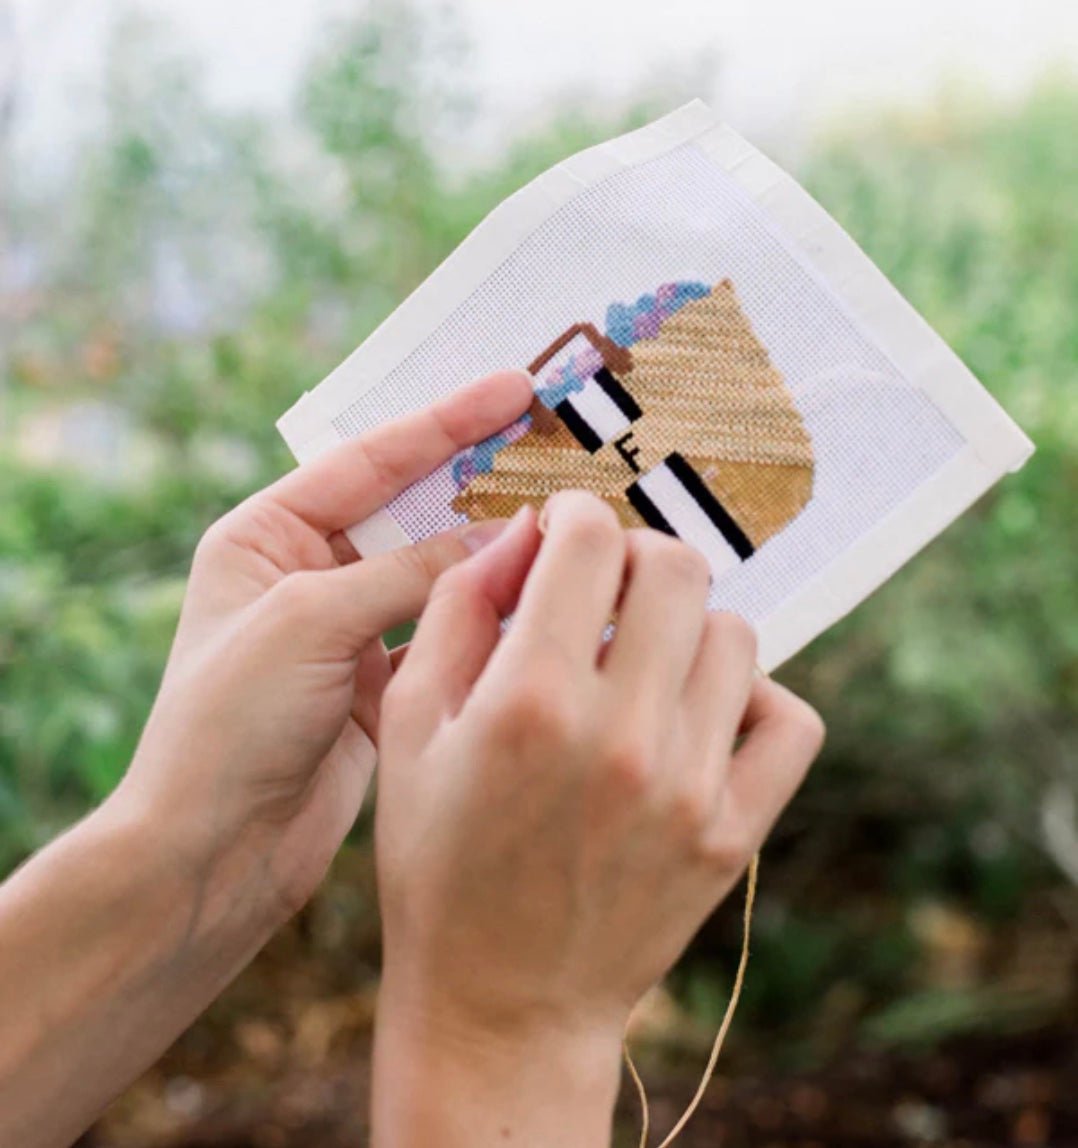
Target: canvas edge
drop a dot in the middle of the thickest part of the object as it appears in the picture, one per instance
(994, 442)
(846, 581)
(307, 426)
(876, 307)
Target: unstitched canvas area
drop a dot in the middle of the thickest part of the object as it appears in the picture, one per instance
(694, 367)
(679, 423)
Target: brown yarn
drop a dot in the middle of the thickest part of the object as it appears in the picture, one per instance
(616, 357)
(720, 1037)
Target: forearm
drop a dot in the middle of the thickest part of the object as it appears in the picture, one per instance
(451, 1088)
(112, 940)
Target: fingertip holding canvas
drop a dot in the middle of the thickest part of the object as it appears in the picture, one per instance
(505, 561)
(477, 536)
(506, 391)
(712, 356)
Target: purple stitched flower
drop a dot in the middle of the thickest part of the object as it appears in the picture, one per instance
(665, 295)
(463, 470)
(587, 362)
(646, 326)
(517, 430)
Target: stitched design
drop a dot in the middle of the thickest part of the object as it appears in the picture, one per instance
(675, 416)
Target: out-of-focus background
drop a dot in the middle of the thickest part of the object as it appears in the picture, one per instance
(205, 205)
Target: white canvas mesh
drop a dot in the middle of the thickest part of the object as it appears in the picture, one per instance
(875, 437)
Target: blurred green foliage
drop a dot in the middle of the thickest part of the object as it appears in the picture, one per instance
(196, 270)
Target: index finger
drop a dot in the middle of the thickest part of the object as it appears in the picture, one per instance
(782, 736)
(572, 588)
(352, 481)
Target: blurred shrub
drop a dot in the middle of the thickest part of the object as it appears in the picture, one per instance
(954, 693)
(170, 297)
(196, 270)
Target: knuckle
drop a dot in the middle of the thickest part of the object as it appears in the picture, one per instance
(389, 469)
(671, 559)
(535, 711)
(728, 850)
(683, 565)
(589, 523)
(400, 698)
(253, 521)
(418, 563)
(452, 583)
(733, 632)
(808, 724)
(690, 814)
(649, 545)
(627, 766)
(215, 539)
(296, 598)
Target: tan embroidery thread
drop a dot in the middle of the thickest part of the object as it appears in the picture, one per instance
(706, 391)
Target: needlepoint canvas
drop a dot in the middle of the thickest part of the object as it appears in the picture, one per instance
(713, 356)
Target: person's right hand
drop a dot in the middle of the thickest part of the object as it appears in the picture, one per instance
(556, 818)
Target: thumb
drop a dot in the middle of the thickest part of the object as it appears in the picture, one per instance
(361, 601)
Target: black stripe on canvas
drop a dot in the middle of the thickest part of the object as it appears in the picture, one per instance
(647, 509)
(618, 395)
(710, 505)
(581, 429)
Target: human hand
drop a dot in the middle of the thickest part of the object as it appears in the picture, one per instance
(556, 818)
(250, 770)
(260, 741)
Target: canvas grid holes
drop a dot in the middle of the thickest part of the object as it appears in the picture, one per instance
(866, 466)
(671, 497)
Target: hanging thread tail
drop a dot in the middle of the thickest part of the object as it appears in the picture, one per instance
(720, 1037)
(641, 1092)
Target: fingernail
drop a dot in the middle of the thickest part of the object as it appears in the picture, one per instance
(481, 534)
(548, 506)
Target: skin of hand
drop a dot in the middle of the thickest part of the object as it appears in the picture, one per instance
(251, 769)
(278, 662)
(557, 815)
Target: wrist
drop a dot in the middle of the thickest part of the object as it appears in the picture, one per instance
(440, 1080)
(207, 876)
(110, 945)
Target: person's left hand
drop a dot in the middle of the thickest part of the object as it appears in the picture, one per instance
(261, 741)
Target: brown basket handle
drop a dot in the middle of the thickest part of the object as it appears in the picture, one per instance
(616, 358)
